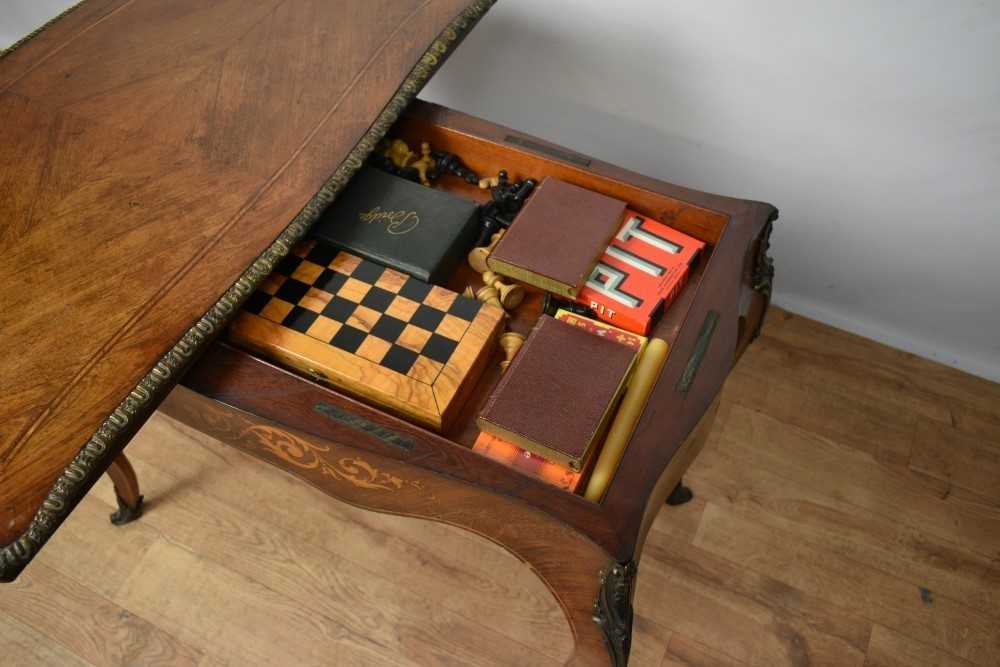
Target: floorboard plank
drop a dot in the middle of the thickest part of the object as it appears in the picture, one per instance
(24, 646)
(88, 625)
(839, 527)
(756, 619)
(649, 643)
(92, 551)
(685, 652)
(869, 593)
(967, 461)
(881, 431)
(234, 617)
(891, 649)
(888, 374)
(357, 598)
(846, 474)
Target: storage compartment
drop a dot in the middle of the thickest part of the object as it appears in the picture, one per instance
(485, 149)
(522, 158)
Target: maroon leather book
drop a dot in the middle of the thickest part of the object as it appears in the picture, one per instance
(558, 394)
(557, 238)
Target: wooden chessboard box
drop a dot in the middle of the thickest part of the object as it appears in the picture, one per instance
(370, 331)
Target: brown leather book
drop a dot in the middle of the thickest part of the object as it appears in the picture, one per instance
(557, 238)
(557, 396)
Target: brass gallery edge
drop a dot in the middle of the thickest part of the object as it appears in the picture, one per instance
(114, 432)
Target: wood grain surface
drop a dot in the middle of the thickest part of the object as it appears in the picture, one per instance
(785, 557)
(149, 151)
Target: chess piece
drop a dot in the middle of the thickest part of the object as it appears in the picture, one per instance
(478, 255)
(550, 304)
(494, 182)
(506, 199)
(513, 199)
(469, 292)
(399, 153)
(450, 163)
(511, 296)
(510, 342)
(490, 296)
(425, 164)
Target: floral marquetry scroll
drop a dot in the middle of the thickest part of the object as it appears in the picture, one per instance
(310, 456)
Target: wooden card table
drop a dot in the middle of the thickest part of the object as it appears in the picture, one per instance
(158, 158)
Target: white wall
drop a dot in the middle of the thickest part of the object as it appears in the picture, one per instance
(874, 126)
(19, 17)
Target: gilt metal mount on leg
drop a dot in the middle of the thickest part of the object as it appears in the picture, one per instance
(763, 271)
(126, 491)
(613, 610)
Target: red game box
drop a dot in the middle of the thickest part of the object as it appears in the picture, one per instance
(640, 273)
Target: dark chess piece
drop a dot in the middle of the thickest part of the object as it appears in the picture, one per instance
(510, 197)
(489, 223)
(506, 200)
(550, 304)
(450, 163)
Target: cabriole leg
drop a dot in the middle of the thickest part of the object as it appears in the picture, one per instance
(126, 491)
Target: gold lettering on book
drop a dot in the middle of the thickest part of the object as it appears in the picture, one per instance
(396, 222)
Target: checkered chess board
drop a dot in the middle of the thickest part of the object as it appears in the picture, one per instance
(373, 331)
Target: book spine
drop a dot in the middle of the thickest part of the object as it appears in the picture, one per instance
(522, 275)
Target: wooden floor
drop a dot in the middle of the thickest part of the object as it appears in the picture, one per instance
(847, 512)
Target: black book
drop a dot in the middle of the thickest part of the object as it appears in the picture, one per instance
(400, 224)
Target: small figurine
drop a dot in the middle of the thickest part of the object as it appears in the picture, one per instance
(391, 157)
(511, 296)
(491, 182)
(510, 342)
(425, 164)
(399, 153)
(478, 255)
(489, 295)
